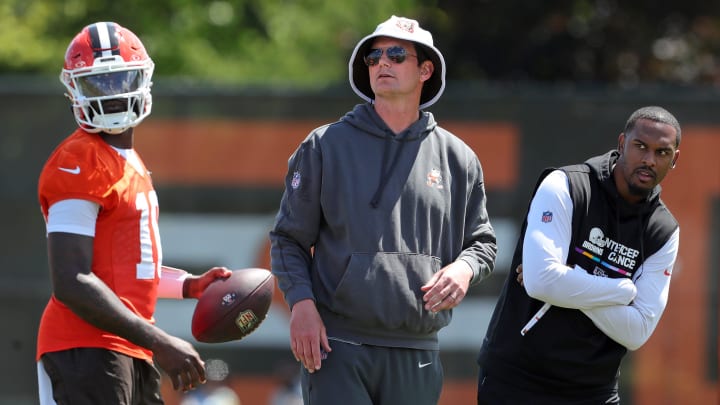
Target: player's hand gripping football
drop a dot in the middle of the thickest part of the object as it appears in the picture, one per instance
(308, 337)
(447, 287)
(195, 285)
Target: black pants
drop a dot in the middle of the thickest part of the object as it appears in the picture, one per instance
(494, 392)
(91, 376)
(373, 375)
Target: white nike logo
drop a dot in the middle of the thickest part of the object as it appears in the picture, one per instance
(76, 170)
(421, 365)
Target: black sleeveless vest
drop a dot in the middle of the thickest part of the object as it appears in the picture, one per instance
(565, 352)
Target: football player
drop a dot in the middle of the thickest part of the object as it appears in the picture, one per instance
(97, 338)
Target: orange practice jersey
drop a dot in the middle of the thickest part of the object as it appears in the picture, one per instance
(127, 251)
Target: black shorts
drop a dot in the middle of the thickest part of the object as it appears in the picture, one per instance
(91, 376)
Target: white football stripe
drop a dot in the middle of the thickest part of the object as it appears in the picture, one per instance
(104, 37)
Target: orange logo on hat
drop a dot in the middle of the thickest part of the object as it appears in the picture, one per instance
(406, 25)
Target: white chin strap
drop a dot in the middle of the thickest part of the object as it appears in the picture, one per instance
(115, 123)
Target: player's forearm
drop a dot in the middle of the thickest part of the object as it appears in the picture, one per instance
(547, 279)
(76, 286)
(576, 291)
(624, 324)
(90, 299)
(632, 325)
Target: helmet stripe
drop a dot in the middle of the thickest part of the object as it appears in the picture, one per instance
(103, 40)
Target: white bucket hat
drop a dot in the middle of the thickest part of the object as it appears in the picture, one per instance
(409, 30)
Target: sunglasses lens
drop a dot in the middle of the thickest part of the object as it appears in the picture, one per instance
(396, 54)
(373, 57)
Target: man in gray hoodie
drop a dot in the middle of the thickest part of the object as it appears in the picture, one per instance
(381, 230)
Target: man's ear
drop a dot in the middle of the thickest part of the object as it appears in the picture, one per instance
(426, 70)
(621, 143)
(674, 162)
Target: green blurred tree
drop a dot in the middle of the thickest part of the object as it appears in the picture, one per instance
(247, 42)
(307, 42)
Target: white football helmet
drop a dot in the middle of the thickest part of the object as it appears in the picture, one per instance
(108, 75)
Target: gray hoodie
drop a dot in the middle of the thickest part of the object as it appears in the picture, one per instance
(368, 216)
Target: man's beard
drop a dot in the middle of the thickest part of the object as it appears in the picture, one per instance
(639, 191)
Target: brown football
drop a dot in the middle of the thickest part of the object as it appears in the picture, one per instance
(232, 308)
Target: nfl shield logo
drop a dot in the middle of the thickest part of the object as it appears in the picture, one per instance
(295, 183)
(547, 216)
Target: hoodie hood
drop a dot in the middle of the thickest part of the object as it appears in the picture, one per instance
(365, 118)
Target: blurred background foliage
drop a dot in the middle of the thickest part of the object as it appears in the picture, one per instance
(306, 43)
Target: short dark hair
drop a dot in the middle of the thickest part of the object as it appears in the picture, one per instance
(421, 53)
(657, 114)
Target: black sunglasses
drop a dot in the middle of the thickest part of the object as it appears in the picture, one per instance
(397, 54)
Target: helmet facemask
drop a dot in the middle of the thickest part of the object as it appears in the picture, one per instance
(110, 96)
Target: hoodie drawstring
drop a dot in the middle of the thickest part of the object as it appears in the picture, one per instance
(385, 175)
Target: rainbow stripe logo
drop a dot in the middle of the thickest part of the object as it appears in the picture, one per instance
(602, 262)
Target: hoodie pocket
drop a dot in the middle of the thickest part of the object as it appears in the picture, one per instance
(382, 290)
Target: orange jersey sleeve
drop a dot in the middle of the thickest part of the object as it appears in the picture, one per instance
(127, 252)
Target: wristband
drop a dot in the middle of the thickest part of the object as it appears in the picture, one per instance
(172, 283)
